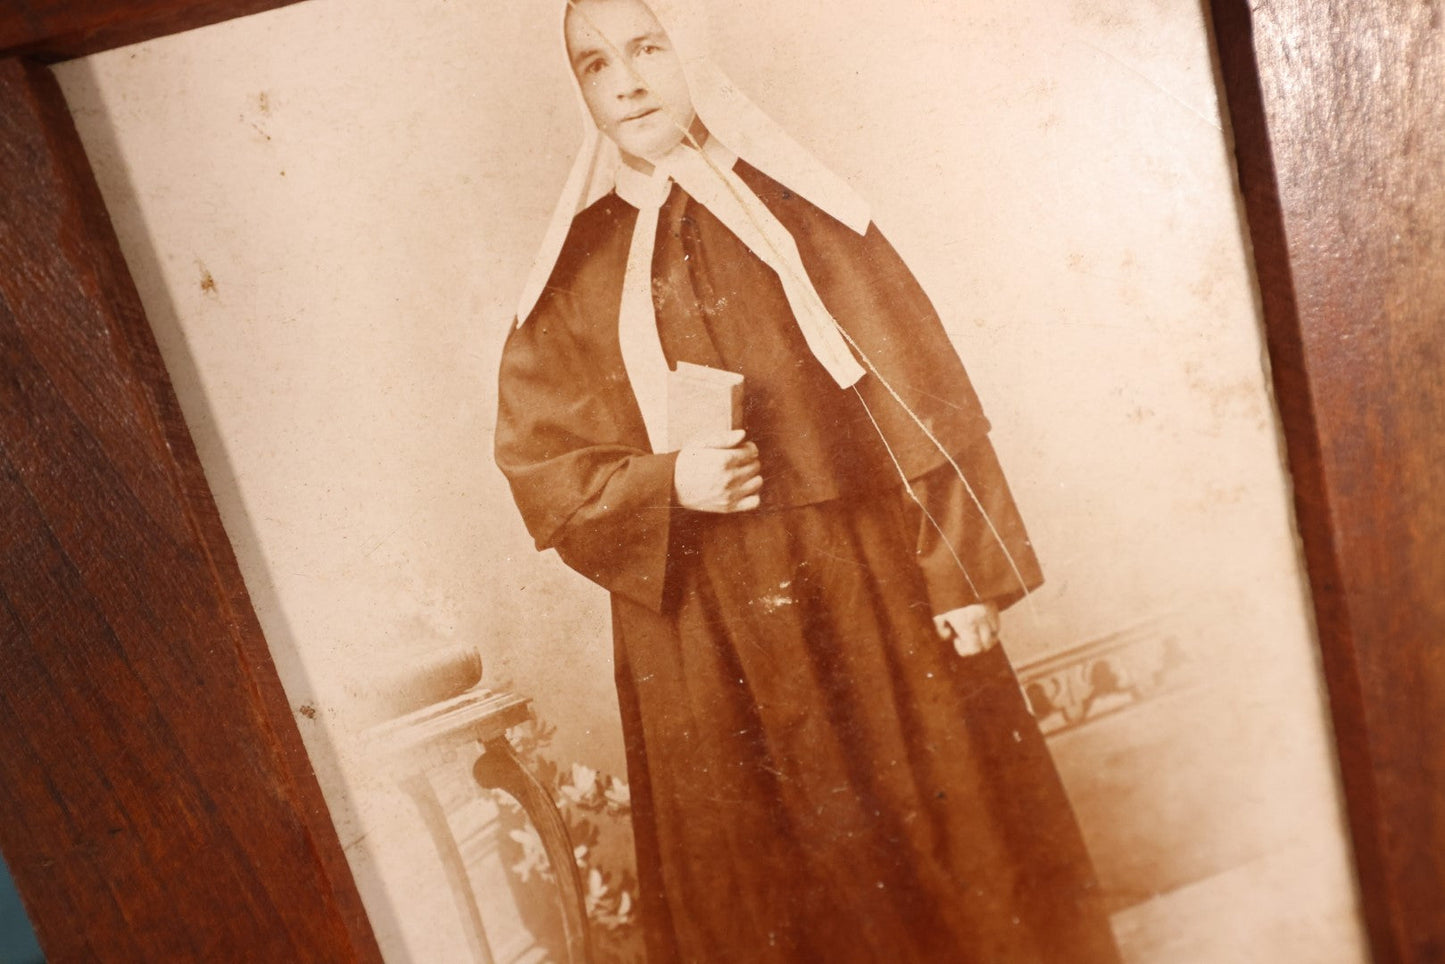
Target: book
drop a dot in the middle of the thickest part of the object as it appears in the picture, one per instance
(702, 403)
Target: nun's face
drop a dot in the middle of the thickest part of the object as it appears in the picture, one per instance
(631, 78)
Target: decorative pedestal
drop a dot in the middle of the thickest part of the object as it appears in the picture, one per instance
(449, 731)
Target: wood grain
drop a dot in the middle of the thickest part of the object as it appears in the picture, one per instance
(156, 800)
(1339, 118)
(60, 29)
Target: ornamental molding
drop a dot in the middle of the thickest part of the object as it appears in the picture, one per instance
(1072, 687)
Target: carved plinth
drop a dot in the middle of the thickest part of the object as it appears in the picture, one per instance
(471, 728)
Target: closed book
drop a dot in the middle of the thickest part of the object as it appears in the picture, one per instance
(702, 403)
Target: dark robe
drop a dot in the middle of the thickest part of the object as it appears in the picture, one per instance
(816, 775)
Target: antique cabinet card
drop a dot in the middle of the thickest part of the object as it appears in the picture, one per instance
(331, 212)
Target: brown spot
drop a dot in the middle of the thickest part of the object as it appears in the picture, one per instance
(307, 710)
(263, 102)
(208, 283)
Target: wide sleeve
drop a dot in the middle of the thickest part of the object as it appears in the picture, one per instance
(605, 505)
(965, 559)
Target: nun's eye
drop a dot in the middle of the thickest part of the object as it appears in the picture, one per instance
(649, 49)
(594, 66)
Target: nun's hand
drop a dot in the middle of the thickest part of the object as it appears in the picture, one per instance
(719, 474)
(971, 629)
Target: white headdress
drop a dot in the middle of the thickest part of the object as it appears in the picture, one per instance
(736, 127)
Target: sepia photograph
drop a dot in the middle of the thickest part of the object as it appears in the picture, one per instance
(745, 482)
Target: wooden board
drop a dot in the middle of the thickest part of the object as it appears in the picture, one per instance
(61, 29)
(1340, 124)
(156, 803)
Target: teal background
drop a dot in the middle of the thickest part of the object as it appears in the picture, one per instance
(17, 939)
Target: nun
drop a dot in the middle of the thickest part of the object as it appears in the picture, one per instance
(829, 755)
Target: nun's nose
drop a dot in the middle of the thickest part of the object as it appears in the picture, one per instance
(631, 87)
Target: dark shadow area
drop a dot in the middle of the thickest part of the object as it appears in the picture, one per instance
(17, 937)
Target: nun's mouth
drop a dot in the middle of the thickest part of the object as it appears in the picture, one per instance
(640, 114)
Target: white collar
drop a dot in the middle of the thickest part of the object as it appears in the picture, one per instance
(650, 190)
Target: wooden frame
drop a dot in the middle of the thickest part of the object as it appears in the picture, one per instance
(155, 798)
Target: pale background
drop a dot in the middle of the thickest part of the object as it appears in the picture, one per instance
(329, 210)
